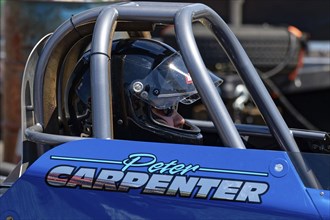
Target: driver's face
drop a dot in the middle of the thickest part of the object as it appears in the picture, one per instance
(170, 118)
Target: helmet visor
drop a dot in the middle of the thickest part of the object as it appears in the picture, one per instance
(168, 84)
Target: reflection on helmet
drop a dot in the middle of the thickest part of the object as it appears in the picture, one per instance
(149, 80)
(166, 85)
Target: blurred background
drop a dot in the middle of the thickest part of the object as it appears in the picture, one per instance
(287, 41)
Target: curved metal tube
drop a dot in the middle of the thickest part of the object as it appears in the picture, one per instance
(185, 13)
(128, 12)
(201, 78)
(51, 45)
(35, 134)
(247, 72)
(100, 69)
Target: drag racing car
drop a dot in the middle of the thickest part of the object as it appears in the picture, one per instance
(103, 137)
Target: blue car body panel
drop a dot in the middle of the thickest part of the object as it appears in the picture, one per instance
(138, 180)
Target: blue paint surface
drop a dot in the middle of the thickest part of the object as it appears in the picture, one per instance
(33, 197)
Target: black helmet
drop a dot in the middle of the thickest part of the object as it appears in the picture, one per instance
(149, 81)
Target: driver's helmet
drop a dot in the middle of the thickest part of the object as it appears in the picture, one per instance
(149, 81)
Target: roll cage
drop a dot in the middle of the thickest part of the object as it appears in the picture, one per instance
(52, 60)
